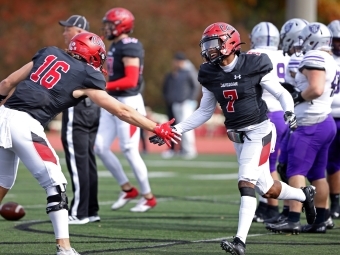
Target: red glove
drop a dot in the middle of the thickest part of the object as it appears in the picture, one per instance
(168, 134)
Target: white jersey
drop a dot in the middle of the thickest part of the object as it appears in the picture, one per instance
(309, 113)
(336, 99)
(280, 63)
(293, 66)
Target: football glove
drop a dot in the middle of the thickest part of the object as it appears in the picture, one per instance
(155, 139)
(290, 118)
(166, 133)
(282, 170)
(2, 98)
(298, 99)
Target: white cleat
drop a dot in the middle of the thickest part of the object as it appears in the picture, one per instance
(124, 197)
(94, 218)
(144, 205)
(62, 251)
(73, 220)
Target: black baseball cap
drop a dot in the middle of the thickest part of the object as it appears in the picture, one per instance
(180, 56)
(76, 21)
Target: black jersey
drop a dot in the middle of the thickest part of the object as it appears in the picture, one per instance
(239, 92)
(127, 47)
(48, 89)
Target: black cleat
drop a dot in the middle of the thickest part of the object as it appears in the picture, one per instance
(236, 247)
(276, 219)
(314, 228)
(329, 223)
(335, 212)
(285, 227)
(308, 204)
(259, 217)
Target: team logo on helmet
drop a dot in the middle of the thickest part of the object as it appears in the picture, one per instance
(314, 28)
(96, 40)
(288, 27)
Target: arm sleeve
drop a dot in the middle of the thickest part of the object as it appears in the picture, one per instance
(270, 83)
(201, 115)
(130, 80)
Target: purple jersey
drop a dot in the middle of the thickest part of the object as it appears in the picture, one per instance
(48, 89)
(127, 47)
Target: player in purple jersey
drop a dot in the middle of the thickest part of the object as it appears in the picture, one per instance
(125, 59)
(236, 82)
(32, 96)
(265, 38)
(333, 166)
(308, 145)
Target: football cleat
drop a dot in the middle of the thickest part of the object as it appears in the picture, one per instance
(74, 220)
(260, 213)
(62, 251)
(276, 219)
(335, 212)
(124, 197)
(236, 247)
(308, 204)
(144, 205)
(94, 218)
(329, 223)
(285, 227)
(314, 228)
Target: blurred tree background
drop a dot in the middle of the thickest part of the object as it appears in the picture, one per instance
(163, 26)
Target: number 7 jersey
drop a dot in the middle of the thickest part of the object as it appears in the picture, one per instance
(48, 89)
(239, 92)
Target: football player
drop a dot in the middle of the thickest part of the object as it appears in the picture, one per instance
(236, 82)
(125, 59)
(53, 81)
(308, 145)
(265, 38)
(290, 46)
(333, 166)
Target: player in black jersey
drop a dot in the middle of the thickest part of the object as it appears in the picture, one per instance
(32, 96)
(236, 82)
(125, 59)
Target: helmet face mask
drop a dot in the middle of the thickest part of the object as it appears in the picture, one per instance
(219, 40)
(265, 35)
(90, 48)
(117, 21)
(289, 34)
(315, 36)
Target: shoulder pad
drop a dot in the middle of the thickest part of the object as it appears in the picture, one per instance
(95, 79)
(131, 47)
(256, 62)
(313, 59)
(208, 73)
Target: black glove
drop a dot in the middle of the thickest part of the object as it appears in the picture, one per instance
(298, 99)
(282, 171)
(290, 118)
(155, 139)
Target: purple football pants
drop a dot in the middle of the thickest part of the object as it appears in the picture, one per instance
(281, 127)
(308, 149)
(334, 151)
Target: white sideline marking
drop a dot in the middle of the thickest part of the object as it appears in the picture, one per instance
(176, 163)
(151, 174)
(209, 177)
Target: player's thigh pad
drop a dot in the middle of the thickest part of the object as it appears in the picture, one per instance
(36, 153)
(9, 166)
(254, 152)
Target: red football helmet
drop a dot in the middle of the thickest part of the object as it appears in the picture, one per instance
(219, 40)
(90, 47)
(121, 22)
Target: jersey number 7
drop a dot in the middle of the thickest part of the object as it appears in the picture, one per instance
(232, 96)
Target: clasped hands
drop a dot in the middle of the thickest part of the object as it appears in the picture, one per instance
(165, 133)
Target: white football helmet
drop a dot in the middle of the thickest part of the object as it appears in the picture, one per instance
(265, 35)
(289, 33)
(315, 36)
(334, 27)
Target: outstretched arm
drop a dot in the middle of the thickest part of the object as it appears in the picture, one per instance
(129, 115)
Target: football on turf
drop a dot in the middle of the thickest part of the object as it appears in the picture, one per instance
(12, 211)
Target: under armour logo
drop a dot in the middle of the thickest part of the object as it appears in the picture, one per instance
(237, 76)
